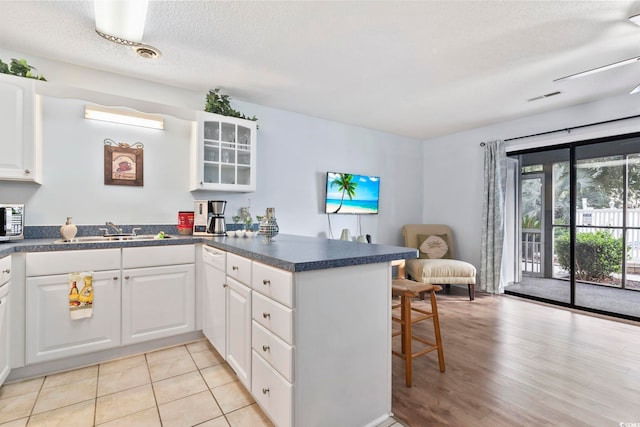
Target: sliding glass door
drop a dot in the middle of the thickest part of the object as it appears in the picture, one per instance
(543, 216)
(579, 226)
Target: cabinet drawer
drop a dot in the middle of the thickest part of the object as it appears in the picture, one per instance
(278, 353)
(47, 263)
(5, 269)
(273, 282)
(214, 257)
(273, 316)
(271, 391)
(154, 256)
(239, 268)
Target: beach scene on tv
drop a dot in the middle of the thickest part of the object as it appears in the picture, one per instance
(352, 194)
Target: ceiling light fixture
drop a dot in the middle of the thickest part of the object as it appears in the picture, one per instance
(146, 51)
(125, 117)
(599, 69)
(121, 21)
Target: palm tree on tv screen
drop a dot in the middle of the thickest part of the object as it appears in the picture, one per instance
(346, 185)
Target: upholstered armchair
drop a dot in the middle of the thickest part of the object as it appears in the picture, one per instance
(436, 264)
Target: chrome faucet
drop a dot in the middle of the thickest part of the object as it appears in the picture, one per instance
(112, 226)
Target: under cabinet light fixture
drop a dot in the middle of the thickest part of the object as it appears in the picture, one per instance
(125, 117)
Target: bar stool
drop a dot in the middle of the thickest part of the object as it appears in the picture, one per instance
(407, 289)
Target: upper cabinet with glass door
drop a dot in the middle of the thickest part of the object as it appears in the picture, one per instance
(223, 154)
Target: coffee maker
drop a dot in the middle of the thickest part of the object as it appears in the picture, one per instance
(208, 218)
(217, 226)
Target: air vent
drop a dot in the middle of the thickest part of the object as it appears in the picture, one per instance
(147, 52)
(547, 95)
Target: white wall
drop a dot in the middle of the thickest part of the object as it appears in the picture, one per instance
(294, 154)
(453, 177)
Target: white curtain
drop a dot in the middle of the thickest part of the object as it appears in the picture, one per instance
(493, 216)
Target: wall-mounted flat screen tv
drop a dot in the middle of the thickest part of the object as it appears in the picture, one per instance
(352, 194)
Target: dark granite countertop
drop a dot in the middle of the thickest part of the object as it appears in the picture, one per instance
(288, 252)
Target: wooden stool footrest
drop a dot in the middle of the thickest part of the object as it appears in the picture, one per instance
(407, 289)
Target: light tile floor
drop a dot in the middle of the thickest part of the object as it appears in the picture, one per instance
(186, 385)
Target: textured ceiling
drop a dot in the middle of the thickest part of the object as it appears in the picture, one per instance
(421, 69)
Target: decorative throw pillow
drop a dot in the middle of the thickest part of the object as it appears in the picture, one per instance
(433, 246)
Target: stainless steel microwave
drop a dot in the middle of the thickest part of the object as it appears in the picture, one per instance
(11, 222)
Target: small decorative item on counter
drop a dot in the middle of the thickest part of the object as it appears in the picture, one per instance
(245, 217)
(68, 231)
(160, 235)
(185, 223)
(268, 228)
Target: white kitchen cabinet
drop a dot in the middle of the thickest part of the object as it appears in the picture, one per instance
(272, 392)
(21, 142)
(5, 278)
(50, 331)
(223, 153)
(239, 330)
(52, 334)
(214, 298)
(157, 301)
(272, 342)
(312, 351)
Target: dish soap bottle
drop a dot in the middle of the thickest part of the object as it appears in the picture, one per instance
(68, 231)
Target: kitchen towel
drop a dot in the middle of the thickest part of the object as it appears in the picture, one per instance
(81, 295)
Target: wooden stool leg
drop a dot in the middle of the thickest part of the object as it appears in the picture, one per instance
(406, 337)
(436, 327)
(472, 292)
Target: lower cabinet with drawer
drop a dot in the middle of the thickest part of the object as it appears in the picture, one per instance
(139, 294)
(272, 342)
(50, 331)
(158, 292)
(239, 317)
(308, 354)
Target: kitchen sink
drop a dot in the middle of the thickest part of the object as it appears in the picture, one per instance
(112, 238)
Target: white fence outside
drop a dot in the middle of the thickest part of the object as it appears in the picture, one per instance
(613, 218)
(532, 252)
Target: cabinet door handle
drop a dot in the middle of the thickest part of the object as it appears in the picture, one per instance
(266, 315)
(265, 348)
(234, 267)
(265, 390)
(224, 285)
(266, 282)
(115, 277)
(27, 171)
(126, 277)
(6, 271)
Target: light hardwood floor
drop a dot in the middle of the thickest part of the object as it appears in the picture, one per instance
(511, 362)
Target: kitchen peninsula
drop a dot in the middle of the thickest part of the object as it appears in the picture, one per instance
(332, 321)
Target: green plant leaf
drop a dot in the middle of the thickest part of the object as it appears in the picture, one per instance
(221, 104)
(20, 68)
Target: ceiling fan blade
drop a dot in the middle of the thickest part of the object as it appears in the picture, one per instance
(599, 69)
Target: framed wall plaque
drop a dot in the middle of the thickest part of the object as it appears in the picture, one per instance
(123, 163)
